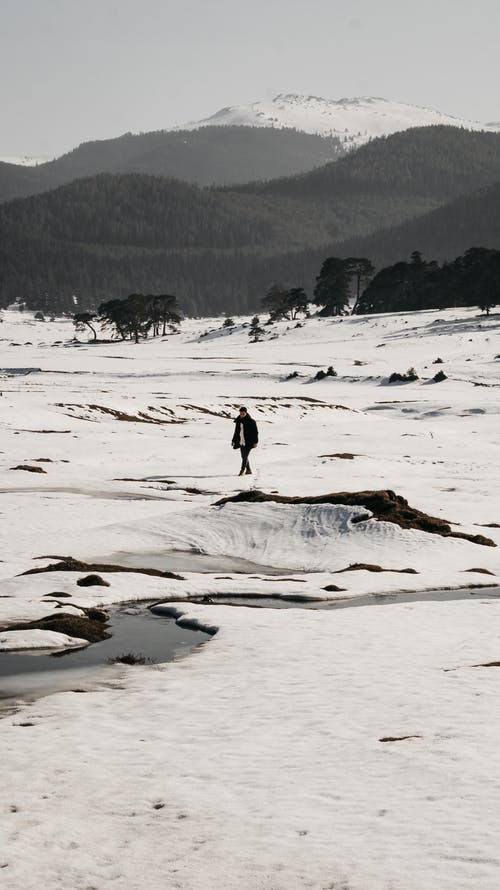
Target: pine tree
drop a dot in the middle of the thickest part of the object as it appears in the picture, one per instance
(255, 332)
(81, 320)
(332, 287)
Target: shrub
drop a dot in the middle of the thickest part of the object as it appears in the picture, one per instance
(330, 372)
(131, 658)
(409, 377)
(439, 377)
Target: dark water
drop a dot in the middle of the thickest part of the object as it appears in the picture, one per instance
(370, 599)
(154, 634)
(133, 628)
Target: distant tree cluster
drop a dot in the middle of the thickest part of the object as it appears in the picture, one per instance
(335, 284)
(285, 304)
(470, 280)
(137, 316)
(335, 281)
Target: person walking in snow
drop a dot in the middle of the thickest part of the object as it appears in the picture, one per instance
(246, 437)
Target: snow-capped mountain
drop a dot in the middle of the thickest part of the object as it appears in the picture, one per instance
(24, 161)
(354, 121)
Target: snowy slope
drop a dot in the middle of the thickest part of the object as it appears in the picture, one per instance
(24, 161)
(355, 121)
(351, 749)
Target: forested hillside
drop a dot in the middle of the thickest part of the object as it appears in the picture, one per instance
(470, 221)
(133, 210)
(209, 156)
(108, 235)
(434, 162)
(220, 249)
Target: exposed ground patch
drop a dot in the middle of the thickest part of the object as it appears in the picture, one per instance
(398, 738)
(71, 625)
(369, 567)
(480, 571)
(165, 414)
(68, 564)
(384, 504)
(29, 469)
(345, 455)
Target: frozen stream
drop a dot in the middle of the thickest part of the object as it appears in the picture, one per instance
(369, 599)
(153, 633)
(133, 629)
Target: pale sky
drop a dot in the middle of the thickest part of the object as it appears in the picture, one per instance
(75, 70)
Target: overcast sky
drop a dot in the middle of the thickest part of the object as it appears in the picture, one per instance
(74, 70)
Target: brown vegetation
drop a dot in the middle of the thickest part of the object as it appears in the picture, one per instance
(92, 581)
(71, 625)
(343, 455)
(29, 468)
(480, 571)
(68, 564)
(369, 567)
(398, 738)
(140, 417)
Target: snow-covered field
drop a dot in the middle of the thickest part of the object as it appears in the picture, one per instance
(257, 762)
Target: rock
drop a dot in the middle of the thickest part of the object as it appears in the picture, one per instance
(92, 581)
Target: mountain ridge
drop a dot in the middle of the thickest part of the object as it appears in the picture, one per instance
(353, 120)
(209, 156)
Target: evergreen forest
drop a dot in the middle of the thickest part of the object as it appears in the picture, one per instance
(433, 190)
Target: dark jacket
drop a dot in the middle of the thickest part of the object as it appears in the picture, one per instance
(250, 431)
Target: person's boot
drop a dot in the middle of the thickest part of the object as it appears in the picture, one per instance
(241, 472)
(248, 471)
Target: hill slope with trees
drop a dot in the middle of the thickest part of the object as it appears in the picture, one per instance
(469, 221)
(217, 249)
(208, 156)
(432, 162)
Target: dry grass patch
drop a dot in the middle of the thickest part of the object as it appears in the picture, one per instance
(71, 625)
(69, 564)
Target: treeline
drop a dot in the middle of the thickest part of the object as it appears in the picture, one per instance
(470, 280)
(337, 281)
(99, 238)
(138, 315)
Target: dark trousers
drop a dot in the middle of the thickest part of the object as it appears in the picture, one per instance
(245, 451)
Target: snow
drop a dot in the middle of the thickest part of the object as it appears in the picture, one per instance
(16, 640)
(24, 161)
(257, 761)
(355, 121)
